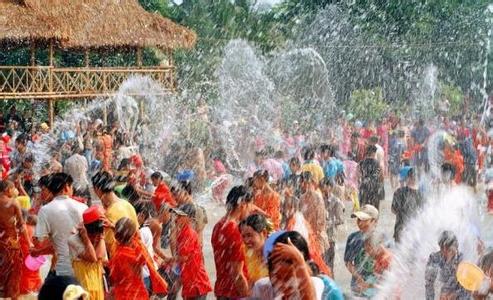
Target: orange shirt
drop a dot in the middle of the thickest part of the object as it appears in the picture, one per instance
(456, 159)
(269, 201)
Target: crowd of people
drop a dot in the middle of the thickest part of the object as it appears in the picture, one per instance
(108, 227)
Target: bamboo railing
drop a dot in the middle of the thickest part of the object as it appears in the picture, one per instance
(40, 82)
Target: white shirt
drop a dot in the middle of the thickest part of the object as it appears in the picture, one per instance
(263, 289)
(77, 167)
(57, 221)
(147, 240)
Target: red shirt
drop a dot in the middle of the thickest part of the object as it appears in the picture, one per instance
(228, 247)
(193, 274)
(126, 280)
(162, 195)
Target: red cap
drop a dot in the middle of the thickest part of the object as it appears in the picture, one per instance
(93, 214)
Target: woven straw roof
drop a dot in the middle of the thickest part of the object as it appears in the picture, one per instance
(92, 24)
(18, 23)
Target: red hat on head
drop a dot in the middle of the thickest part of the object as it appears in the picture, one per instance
(93, 214)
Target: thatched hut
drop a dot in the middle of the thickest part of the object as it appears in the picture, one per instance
(83, 25)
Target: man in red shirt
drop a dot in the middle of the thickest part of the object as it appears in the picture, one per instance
(162, 193)
(228, 247)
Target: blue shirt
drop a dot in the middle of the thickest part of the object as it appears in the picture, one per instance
(332, 167)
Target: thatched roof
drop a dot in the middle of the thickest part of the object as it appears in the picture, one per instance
(18, 23)
(100, 24)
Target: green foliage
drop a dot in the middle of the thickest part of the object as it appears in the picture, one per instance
(455, 97)
(367, 104)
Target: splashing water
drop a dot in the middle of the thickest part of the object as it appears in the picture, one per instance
(426, 93)
(456, 211)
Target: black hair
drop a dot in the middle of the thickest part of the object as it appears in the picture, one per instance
(157, 175)
(21, 139)
(54, 287)
(327, 181)
(355, 135)
(295, 161)
(189, 209)
(279, 154)
(330, 149)
(448, 168)
(95, 227)
(258, 222)
(297, 240)
(401, 133)
(58, 181)
(309, 154)
(371, 149)
(237, 195)
(104, 181)
(144, 207)
(124, 163)
(374, 139)
(44, 180)
(306, 176)
(314, 268)
(262, 174)
(5, 185)
(186, 185)
(447, 239)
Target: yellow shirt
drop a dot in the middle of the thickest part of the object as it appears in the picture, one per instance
(119, 209)
(256, 266)
(315, 169)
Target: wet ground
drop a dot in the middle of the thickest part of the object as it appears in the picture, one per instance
(342, 276)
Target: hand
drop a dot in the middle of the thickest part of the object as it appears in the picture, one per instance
(107, 223)
(287, 254)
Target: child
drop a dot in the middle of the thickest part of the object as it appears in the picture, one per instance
(127, 262)
(30, 280)
(443, 265)
(190, 259)
(88, 252)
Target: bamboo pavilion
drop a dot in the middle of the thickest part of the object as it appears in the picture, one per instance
(83, 26)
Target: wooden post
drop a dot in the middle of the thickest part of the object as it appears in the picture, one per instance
(169, 53)
(138, 57)
(86, 61)
(51, 113)
(51, 53)
(51, 106)
(86, 58)
(33, 54)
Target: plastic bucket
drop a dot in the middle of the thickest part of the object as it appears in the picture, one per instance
(34, 263)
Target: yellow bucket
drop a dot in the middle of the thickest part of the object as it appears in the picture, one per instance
(24, 202)
(470, 276)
